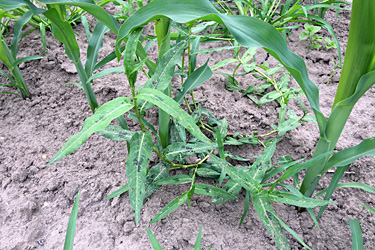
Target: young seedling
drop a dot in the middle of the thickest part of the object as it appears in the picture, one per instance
(309, 33)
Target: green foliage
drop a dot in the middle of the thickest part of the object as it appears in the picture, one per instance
(188, 134)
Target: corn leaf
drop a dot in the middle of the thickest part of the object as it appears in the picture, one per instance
(357, 241)
(264, 210)
(173, 205)
(89, 5)
(154, 242)
(196, 78)
(26, 59)
(172, 107)
(18, 32)
(118, 192)
(197, 245)
(95, 45)
(369, 208)
(106, 72)
(71, 230)
(14, 4)
(98, 121)
(65, 34)
(136, 167)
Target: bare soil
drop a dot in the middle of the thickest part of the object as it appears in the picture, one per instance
(36, 200)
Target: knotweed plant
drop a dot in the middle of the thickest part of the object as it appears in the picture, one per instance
(194, 130)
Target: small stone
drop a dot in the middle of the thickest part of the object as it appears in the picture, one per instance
(122, 163)
(44, 157)
(128, 227)
(19, 176)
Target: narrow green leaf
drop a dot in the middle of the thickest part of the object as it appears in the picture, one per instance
(14, 4)
(96, 11)
(178, 149)
(221, 154)
(205, 51)
(299, 201)
(291, 231)
(357, 241)
(238, 175)
(116, 133)
(196, 78)
(173, 205)
(118, 192)
(246, 207)
(224, 63)
(129, 56)
(156, 173)
(264, 210)
(165, 69)
(174, 180)
(106, 72)
(18, 31)
(172, 107)
(205, 189)
(197, 245)
(71, 230)
(98, 121)
(231, 187)
(136, 167)
(154, 242)
(85, 24)
(247, 31)
(288, 125)
(359, 185)
(349, 155)
(95, 45)
(25, 59)
(259, 167)
(369, 208)
(64, 33)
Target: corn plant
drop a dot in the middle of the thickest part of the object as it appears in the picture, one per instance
(8, 54)
(356, 78)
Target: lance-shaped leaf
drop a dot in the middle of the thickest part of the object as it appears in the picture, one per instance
(129, 56)
(173, 205)
(14, 4)
(136, 167)
(154, 242)
(247, 31)
(259, 167)
(175, 179)
(299, 201)
(205, 189)
(265, 210)
(116, 133)
(98, 121)
(171, 107)
(165, 69)
(196, 78)
(177, 149)
(156, 173)
(238, 175)
(357, 240)
(231, 187)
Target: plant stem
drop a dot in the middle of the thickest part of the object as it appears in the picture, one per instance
(359, 60)
(162, 30)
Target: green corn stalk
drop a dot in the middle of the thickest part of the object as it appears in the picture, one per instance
(162, 30)
(9, 61)
(357, 77)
